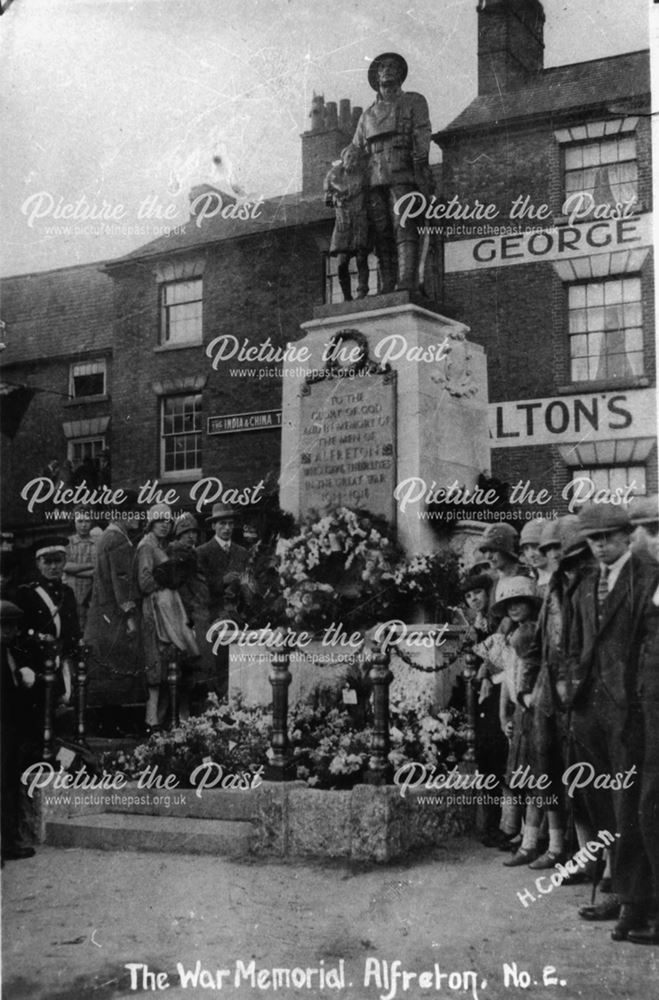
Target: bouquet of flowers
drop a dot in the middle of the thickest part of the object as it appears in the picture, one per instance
(430, 579)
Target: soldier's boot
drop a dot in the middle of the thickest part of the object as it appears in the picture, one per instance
(408, 257)
(343, 271)
(387, 262)
(362, 276)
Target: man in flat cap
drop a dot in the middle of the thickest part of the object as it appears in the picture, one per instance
(224, 566)
(613, 616)
(394, 133)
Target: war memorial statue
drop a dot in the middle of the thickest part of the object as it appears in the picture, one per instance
(394, 135)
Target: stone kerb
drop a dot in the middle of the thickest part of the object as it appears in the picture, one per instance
(366, 823)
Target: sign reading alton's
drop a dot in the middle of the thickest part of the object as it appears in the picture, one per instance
(597, 416)
(347, 443)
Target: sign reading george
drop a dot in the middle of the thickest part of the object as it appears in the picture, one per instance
(233, 423)
(600, 416)
(551, 244)
(348, 444)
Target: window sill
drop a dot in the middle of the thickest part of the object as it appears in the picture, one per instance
(185, 476)
(604, 385)
(177, 347)
(564, 220)
(81, 400)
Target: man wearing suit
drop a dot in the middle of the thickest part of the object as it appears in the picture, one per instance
(612, 613)
(116, 675)
(224, 565)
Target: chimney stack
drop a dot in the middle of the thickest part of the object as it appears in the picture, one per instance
(332, 128)
(510, 43)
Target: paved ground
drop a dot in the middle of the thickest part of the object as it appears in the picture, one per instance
(72, 919)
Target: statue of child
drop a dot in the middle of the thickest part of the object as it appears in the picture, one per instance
(345, 192)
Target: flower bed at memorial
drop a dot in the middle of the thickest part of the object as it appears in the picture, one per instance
(330, 747)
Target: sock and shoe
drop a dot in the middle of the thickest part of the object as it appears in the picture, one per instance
(528, 850)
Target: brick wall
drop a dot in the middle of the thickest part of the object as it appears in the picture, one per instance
(257, 287)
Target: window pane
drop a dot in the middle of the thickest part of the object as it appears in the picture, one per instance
(577, 296)
(613, 346)
(606, 169)
(580, 370)
(181, 432)
(88, 378)
(182, 311)
(595, 294)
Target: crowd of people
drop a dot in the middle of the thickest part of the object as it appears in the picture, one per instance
(564, 663)
(563, 668)
(139, 595)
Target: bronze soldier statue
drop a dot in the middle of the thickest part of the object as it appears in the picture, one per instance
(394, 133)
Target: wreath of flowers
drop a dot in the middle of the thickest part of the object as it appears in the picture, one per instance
(339, 567)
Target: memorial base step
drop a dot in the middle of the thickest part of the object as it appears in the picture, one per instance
(157, 833)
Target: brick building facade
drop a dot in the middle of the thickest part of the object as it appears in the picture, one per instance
(565, 313)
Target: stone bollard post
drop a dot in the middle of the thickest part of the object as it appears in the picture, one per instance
(379, 769)
(173, 678)
(48, 646)
(280, 767)
(468, 674)
(81, 692)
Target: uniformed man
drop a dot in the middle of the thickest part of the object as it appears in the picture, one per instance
(49, 606)
(394, 133)
(19, 729)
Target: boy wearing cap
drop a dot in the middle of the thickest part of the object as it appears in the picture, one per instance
(612, 610)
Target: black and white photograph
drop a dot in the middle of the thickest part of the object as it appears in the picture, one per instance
(329, 522)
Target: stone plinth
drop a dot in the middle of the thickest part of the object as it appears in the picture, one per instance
(314, 669)
(435, 648)
(366, 823)
(356, 450)
(319, 668)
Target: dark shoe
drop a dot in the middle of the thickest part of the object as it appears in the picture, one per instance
(644, 935)
(608, 909)
(510, 843)
(605, 885)
(632, 918)
(546, 860)
(18, 853)
(521, 857)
